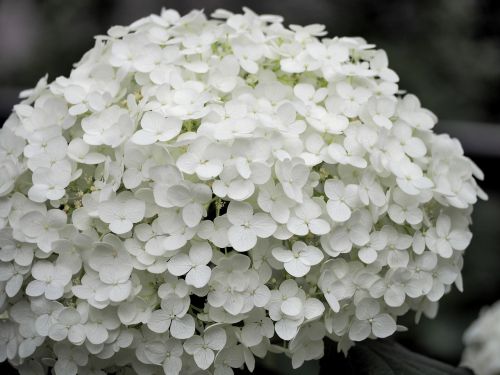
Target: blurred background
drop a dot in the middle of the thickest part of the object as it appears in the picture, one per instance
(447, 52)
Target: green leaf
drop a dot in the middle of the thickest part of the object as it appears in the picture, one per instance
(383, 357)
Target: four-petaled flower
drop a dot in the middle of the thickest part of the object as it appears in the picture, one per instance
(300, 259)
(247, 226)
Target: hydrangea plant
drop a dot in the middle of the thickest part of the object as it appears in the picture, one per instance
(482, 342)
(199, 192)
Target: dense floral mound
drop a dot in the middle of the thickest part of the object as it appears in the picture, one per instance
(200, 192)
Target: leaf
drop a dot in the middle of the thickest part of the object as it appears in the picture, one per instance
(382, 357)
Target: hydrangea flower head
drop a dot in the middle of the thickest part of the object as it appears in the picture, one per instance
(482, 342)
(200, 191)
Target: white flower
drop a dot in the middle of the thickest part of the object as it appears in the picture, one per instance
(45, 148)
(341, 199)
(99, 325)
(308, 344)
(379, 63)
(139, 163)
(202, 347)
(405, 208)
(342, 280)
(272, 200)
(13, 276)
(80, 151)
(156, 128)
(247, 226)
(21, 253)
(122, 212)
(9, 171)
(224, 75)
(379, 111)
(348, 152)
(28, 340)
(68, 325)
(69, 358)
(168, 353)
(5, 208)
(134, 55)
(299, 260)
(89, 291)
(215, 231)
(369, 253)
(248, 53)
(442, 239)
(251, 159)
(233, 356)
(414, 147)
(194, 265)
(110, 259)
(396, 284)
(443, 276)
(164, 176)
(236, 287)
(117, 286)
(50, 183)
(109, 127)
(203, 158)
(173, 317)
(356, 231)
(410, 177)
(49, 280)
(192, 198)
(369, 320)
(481, 341)
(173, 234)
(289, 307)
(396, 247)
(307, 219)
(293, 175)
(42, 229)
(11, 145)
(257, 326)
(350, 98)
(422, 281)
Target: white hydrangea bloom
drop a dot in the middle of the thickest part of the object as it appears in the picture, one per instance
(247, 227)
(49, 280)
(201, 191)
(122, 213)
(482, 342)
(193, 265)
(299, 260)
(173, 317)
(156, 128)
(202, 347)
(368, 320)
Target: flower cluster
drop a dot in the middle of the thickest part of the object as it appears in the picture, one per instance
(482, 343)
(199, 192)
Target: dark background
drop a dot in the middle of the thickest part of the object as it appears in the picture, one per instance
(447, 52)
